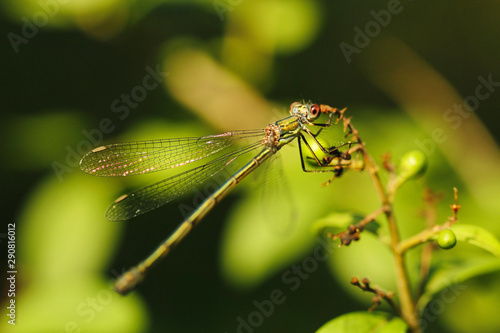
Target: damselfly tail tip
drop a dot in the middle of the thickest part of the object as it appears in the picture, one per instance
(128, 281)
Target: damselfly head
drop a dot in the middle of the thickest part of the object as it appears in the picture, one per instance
(295, 107)
(307, 110)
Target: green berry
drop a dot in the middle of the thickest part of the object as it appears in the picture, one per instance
(447, 239)
(412, 165)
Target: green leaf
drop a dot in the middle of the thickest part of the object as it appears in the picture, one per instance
(477, 236)
(66, 245)
(361, 322)
(334, 220)
(446, 277)
(340, 222)
(83, 304)
(64, 222)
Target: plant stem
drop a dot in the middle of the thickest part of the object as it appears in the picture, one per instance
(408, 311)
(421, 237)
(402, 280)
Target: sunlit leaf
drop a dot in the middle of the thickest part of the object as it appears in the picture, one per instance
(340, 221)
(63, 223)
(34, 149)
(477, 236)
(362, 322)
(65, 243)
(82, 304)
(448, 278)
(272, 25)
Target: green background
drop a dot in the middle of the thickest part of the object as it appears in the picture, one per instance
(237, 65)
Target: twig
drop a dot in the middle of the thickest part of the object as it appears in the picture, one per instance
(379, 294)
(427, 234)
(353, 231)
(408, 311)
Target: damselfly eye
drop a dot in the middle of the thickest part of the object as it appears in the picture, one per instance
(314, 111)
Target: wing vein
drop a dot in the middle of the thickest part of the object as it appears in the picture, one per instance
(160, 193)
(133, 158)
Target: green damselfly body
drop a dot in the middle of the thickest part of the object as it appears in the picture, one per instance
(124, 159)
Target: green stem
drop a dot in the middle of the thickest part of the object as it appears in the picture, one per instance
(408, 311)
(421, 237)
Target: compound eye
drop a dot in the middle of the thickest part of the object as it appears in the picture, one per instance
(314, 111)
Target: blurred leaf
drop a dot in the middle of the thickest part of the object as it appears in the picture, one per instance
(65, 243)
(471, 308)
(362, 322)
(282, 26)
(259, 29)
(101, 19)
(81, 304)
(340, 221)
(443, 276)
(64, 223)
(37, 141)
(368, 257)
(477, 236)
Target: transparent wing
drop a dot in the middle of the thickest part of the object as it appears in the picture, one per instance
(275, 191)
(158, 194)
(133, 158)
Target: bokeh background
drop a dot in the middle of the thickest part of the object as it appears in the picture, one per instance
(76, 74)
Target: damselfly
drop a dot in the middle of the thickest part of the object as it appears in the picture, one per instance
(141, 157)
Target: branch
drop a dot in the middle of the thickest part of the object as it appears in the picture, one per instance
(403, 284)
(379, 294)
